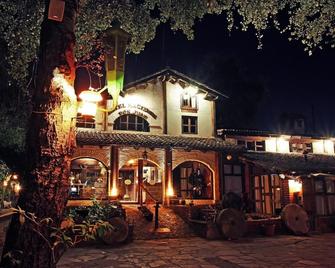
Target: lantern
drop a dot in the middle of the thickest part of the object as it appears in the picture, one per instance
(89, 103)
(115, 42)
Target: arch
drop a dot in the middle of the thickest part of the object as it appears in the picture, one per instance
(193, 179)
(89, 178)
(95, 158)
(131, 122)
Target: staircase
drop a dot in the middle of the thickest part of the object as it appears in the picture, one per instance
(170, 224)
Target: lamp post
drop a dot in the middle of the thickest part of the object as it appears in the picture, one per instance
(115, 41)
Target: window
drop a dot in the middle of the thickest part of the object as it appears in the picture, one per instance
(232, 178)
(325, 196)
(193, 180)
(188, 102)
(189, 124)
(131, 122)
(301, 147)
(267, 194)
(86, 122)
(258, 146)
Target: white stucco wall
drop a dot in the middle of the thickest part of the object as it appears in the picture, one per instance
(150, 97)
(174, 112)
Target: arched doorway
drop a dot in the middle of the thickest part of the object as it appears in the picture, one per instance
(193, 180)
(128, 180)
(88, 179)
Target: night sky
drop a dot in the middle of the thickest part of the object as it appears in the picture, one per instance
(294, 81)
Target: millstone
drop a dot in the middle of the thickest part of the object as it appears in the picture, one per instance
(295, 219)
(231, 223)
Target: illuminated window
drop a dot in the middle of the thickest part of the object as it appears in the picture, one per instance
(132, 123)
(188, 102)
(85, 121)
(189, 124)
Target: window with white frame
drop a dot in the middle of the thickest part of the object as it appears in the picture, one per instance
(258, 146)
(188, 101)
(131, 122)
(189, 124)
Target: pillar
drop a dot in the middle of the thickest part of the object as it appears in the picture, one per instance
(140, 181)
(168, 189)
(114, 171)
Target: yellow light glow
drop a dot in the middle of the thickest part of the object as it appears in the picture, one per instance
(329, 147)
(271, 145)
(191, 90)
(114, 191)
(283, 146)
(318, 147)
(131, 162)
(294, 186)
(169, 191)
(59, 81)
(88, 108)
(15, 176)
(90, 96)
(5, 183)
(17, 188)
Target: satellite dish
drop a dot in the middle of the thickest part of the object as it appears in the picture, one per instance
(295, 219)
(231, 223)
(119, 233)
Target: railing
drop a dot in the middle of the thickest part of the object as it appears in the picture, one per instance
(156, 204)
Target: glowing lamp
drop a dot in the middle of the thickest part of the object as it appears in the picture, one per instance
(5, 183)
(88, 108)
(294, 186)
(114, 191)
(90, 96)
(15, 176)
(169, 191)
(115, 42)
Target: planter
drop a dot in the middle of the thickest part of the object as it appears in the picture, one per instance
(269, 229)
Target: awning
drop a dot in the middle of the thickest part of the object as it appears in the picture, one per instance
(291, 163)
(100, 138)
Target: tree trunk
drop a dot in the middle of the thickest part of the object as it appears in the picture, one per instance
(50, 141)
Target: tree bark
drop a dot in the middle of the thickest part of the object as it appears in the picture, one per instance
(50, 141)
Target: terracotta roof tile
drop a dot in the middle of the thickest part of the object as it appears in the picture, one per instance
(90, 137)
(291, 162)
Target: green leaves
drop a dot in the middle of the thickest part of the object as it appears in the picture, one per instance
(309, 21)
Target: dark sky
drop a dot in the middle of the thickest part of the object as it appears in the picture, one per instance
(293, 80)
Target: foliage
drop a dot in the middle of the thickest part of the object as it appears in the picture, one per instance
(4, 171)
(309, 21)
(58, 238)
(98, 211)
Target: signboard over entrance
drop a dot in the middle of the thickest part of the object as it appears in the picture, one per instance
(135, 106)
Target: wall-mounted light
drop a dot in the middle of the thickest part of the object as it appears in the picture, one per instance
(229, 157)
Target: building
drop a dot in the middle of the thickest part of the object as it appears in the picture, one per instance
(158, 144)
(281, 169)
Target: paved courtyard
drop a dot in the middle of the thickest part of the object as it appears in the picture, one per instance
(277, 251)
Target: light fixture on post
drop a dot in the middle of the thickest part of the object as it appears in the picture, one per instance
(115, 41)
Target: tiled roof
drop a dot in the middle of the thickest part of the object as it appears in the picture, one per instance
(174, 73)
(89, 137)
(291, 162)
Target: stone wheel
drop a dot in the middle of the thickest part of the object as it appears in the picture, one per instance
(119, 234)
(231, 223)
(295, 219)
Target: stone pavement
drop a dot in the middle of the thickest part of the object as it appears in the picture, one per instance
(278, 251)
